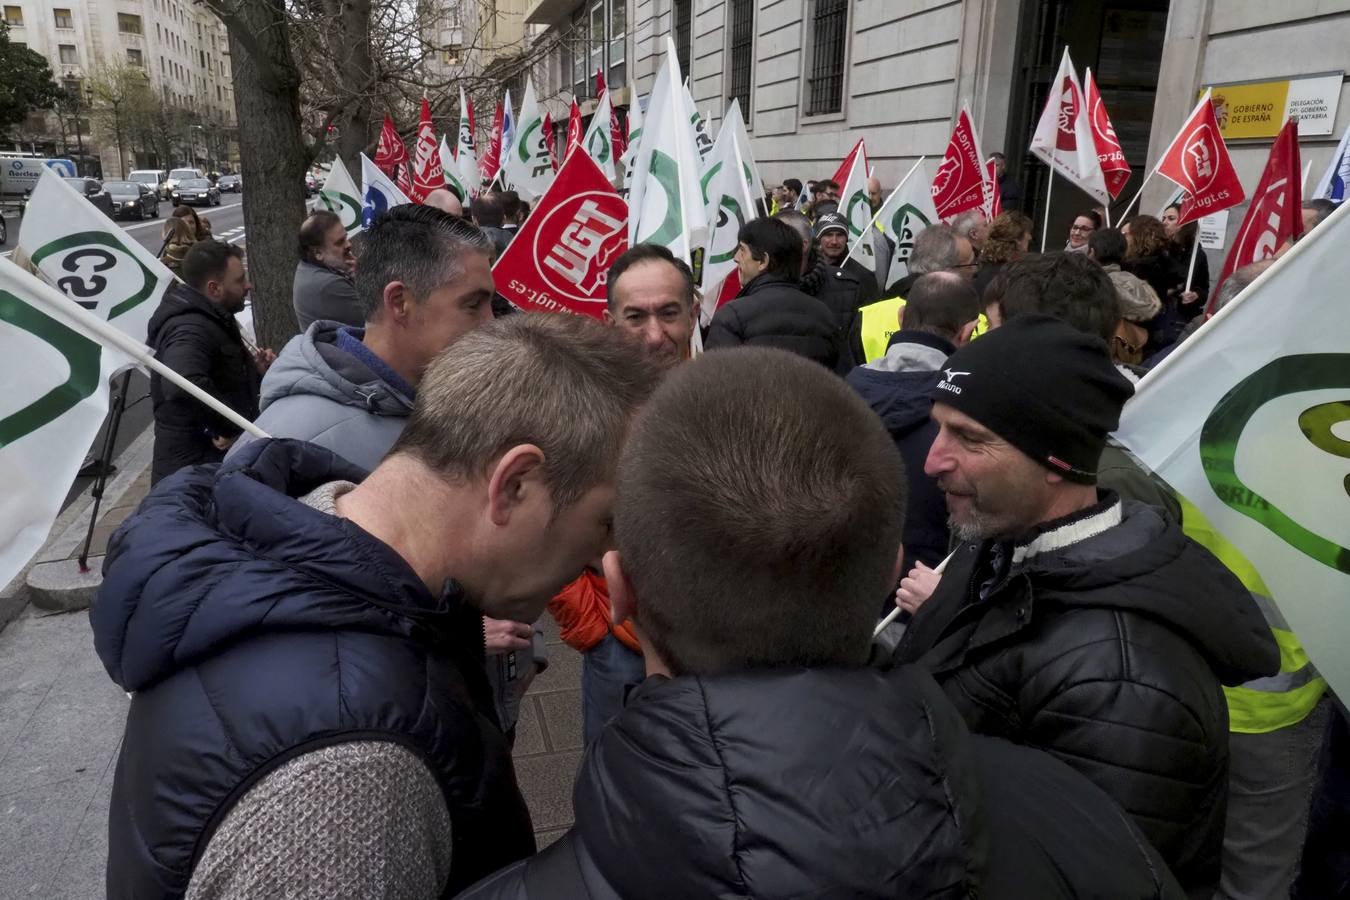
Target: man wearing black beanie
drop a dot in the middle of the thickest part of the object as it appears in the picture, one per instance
(1069, 619)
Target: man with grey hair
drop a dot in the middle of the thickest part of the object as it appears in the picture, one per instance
(1233, 285)
(310, 716)
(937, 248)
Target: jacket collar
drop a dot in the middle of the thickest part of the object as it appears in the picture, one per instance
(910, 350)
(760, 282)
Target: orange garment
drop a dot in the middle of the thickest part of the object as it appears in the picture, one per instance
(582, 612)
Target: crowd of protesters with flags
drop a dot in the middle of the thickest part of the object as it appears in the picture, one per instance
(909, 551)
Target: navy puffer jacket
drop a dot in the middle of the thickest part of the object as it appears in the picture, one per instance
(253, 629)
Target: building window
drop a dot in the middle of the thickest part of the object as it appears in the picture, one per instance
(597, 60)
(14, 16)
(618, 42)
(682, 13)
(578, 50)
(128, 24)
(742, 51)
(63, 19)
(829, 34)
(134, 57)
(69, 56)
(161, 64)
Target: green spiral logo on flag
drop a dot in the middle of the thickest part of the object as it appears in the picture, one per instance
(1223, 431)
(599, 146)
(667, 175)
(345, 207)
(91, 263)
(82, 357)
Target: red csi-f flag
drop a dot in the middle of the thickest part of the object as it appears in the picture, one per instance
(559, 260)
(960, 181)
(1274, 216)
(1115, 169)
(1197, 161)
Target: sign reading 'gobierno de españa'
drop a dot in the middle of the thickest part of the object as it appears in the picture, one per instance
(1258, 109)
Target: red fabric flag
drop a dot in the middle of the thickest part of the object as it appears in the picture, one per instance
(574, 130)
(841, 176)
(403, 179)
(491, 161)
(599, 82)
(1198, 162)
(559, 259)
(993, 198)
(391, 150)
(1115, 169)
(428, 175)
(1274, 216)
(959, 185)
(550, 140)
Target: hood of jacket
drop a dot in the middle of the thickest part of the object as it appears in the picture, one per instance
(219, 553)
(1148, 565)
(899, 385)
(783, 783)
(313, 364)
(183, 300)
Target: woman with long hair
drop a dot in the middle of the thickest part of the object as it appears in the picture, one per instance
(1183, 238)
(1150, 256)
(180, 233)
(1007, 241)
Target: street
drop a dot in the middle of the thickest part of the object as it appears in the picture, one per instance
(227, 223)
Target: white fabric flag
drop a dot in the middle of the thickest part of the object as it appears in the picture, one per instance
(529, 168)
(378, 192)
(735, 118)
(1063, 138)
(634, 135)
(1248, 419)
(1334, 185)
(340, 195)
(854, 206)
(598, 141)
(729, 200)
(666, 200)
(452, 179)
(466, 158)
(904, 216)
(698, 126)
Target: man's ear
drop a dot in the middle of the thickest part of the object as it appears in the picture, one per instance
(515, 476)
(609, 317)
(622, 601)
(397, 302)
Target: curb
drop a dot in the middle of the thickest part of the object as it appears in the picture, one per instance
(68, 533)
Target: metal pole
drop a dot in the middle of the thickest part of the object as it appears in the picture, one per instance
(105, 461)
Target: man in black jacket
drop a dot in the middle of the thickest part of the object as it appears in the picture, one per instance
(758, 517)
(194, 332)
(841, 283)
(1068, 619)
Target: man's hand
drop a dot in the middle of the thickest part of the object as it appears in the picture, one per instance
(916, 587)
(264, 359)
(1188, 297)
(223, 443)
(503, 636)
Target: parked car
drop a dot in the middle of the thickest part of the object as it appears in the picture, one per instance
(178, 176)
(133, 199)
(231, 183)
(93, 191)
(194, 191)
(155, 178)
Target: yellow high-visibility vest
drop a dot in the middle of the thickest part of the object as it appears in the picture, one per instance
(880, 320)
(981, 326)
(1266, 704)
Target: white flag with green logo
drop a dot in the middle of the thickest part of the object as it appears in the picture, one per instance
(903, 217)
(452, 179)
(853, 205)
(634, 135)
(729, 199)
(340, 195)
(666, 200)
(598, 141)
(698, 125)
(1249, 420)
(466, 154)
(529, 167)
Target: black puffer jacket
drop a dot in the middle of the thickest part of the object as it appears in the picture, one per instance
(199, 340)
(1109, 653)
(771, 312)
(826, 783)
(844, 289)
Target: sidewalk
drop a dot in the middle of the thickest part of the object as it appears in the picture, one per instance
(61, 722)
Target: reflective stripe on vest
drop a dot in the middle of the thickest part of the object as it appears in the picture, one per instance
(880, 321)
(981, 326)
(1266, 704)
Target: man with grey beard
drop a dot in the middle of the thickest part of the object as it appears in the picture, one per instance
(1069, 619)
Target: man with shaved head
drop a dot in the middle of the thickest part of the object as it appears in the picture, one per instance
(446, 201)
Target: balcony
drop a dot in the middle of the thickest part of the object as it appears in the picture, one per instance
(548, 12)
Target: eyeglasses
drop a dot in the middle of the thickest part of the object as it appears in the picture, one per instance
(1087, 228)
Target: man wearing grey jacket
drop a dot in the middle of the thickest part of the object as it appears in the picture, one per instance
(323, 286)
(424, 282)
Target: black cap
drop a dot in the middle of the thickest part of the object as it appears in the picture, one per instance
(831, 222)
(1043, 386)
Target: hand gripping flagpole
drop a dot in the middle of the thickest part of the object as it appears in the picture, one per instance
(895, 613)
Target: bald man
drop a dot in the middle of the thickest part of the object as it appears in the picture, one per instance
(445, 200)
(874, 194)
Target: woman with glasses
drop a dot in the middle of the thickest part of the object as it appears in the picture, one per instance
(1081, 229)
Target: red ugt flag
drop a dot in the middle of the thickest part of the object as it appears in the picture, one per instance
(841, 177)
(959, 185)
(1197, 161)
(403, 179)
(492, 158)
(1274, 216)
(573, 129)
(390, 151)
(559, 259)
(1115, 169)
(427, 172)
(549, 140)
(993, 200)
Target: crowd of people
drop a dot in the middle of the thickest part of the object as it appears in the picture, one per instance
(327, 633)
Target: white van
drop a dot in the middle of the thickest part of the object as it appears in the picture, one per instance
(177, 176)
(20, 174)
(151, 178)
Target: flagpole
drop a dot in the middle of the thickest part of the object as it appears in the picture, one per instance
(1195, 251)
(1045, 226)
(895, 613)
(873, 224)
(1126, 211)
(1307, 170)
(684, 165)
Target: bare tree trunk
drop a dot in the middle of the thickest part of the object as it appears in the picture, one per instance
(358, 67)
(267, 106)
